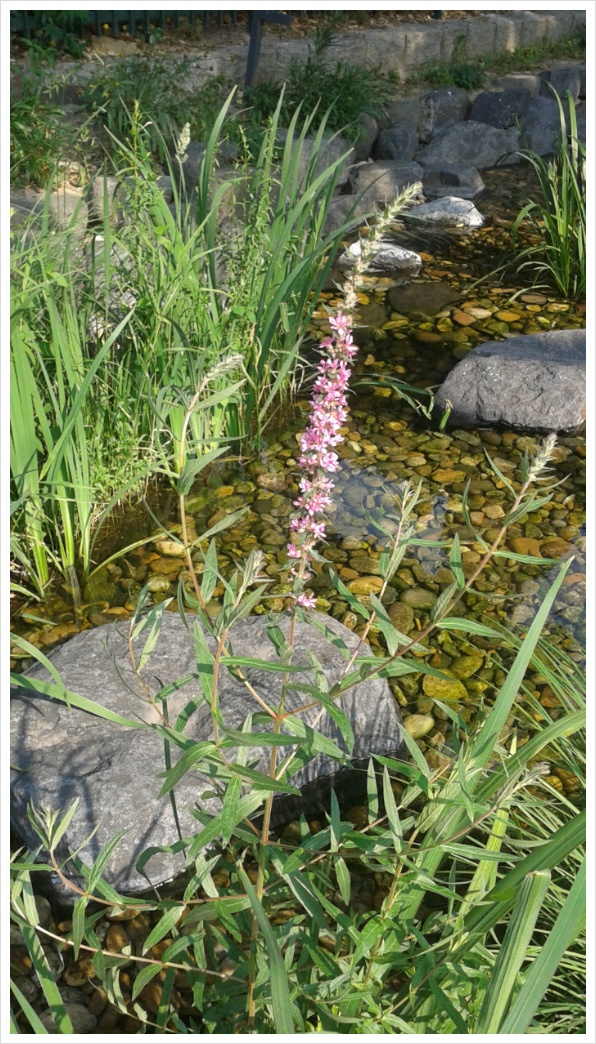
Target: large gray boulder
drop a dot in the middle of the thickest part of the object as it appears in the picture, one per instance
(540, 125)
(500, 108)
(388, 257)
(440, 109)
(471, 144)
(383, 181)
(398, 142)
(565, 78)
(59, 754)
(536, 382)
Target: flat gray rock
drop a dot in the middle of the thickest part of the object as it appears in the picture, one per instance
(383, 181)
(471, 144)
(463, 182)
(422, 299)
(447, 212)
(536, 382)
(59, 754)
(389, 257)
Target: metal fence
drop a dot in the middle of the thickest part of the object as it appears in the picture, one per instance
(25, 23)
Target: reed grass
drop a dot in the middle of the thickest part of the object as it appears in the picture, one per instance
(558, 218)
(108, 347)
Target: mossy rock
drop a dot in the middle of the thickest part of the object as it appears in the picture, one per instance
(418, 598)
(449, 689)
(466, 666)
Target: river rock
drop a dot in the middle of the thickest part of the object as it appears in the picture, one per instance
(389, 257)
(443, 688)
(383, 181)
(419, 725)
(83, 1021)
(398, 142)
(541, 125)
(447, 212)
(441, 109)
(500, 108)
(535, 382)
(465, 182)
(422, 299)
(401, 616)
(113, 769)
(471, 144)
(418, 598)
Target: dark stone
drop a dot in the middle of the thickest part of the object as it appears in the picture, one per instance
(541, 125)
(464, 182)
(562, 79)
(25, 203)
(500, 108)
(441, 109)
(535, 382)
(383, 181)
(113, 770)
(425, 299)
(471, 144)
(580, 114)
(369, 130)
(396, 143)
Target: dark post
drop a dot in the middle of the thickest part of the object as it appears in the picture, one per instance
(255, 25)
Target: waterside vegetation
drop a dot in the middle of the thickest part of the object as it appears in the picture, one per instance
(161, 346)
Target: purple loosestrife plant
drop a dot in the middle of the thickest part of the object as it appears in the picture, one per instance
(329, 410)
(318, 461)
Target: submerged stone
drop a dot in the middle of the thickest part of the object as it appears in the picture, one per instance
(66, 753)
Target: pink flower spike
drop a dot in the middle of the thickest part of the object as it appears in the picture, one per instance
(307, 600)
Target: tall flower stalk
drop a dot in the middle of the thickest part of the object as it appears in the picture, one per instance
(329, 411)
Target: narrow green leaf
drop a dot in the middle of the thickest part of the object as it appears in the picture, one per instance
(46, 980)
(343, 878)
(210, 573)
(229, 810)
(192, 468)
(164, 926)
(512, 952)
(280, 987)
(59, 692)
(568, 925)
(455, 563)
(144, 977)
(78, 924)
(102, 860)
(30, 1014)
(392, 813)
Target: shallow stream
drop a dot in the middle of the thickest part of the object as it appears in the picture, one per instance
(416, 334)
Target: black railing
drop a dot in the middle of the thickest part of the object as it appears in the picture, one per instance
(25, 23)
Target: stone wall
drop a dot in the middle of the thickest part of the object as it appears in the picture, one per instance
(402, 49)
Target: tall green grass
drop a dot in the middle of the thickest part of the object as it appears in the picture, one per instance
(558, 218)
(110, 344)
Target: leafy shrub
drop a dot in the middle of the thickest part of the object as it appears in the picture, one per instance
(58, 31)
(38, 135)
(342, 91)
(154, 84)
